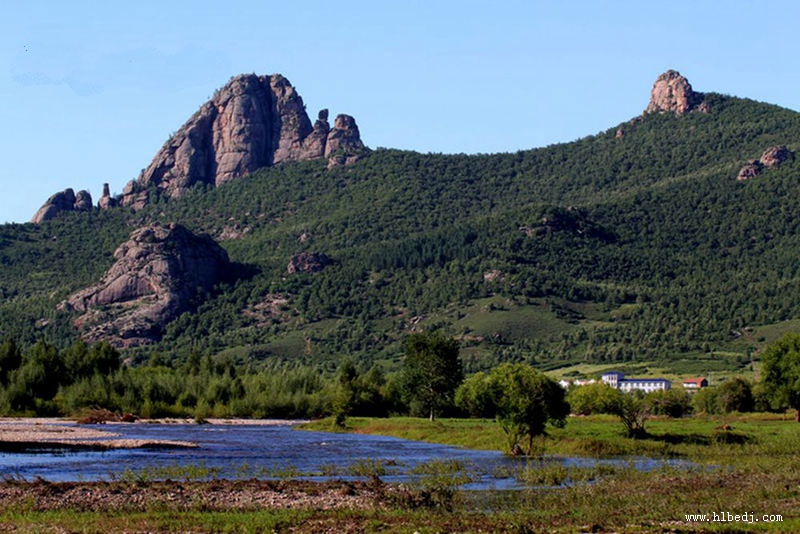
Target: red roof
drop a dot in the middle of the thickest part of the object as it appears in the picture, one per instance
(696, 381)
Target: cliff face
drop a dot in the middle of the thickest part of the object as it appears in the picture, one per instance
(155, 278)
(252, 122)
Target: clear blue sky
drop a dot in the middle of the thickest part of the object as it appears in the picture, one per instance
(91, 90)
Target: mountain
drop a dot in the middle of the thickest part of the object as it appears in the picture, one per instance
(250, 123)
(635, 245)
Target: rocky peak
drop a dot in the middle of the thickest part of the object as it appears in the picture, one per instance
(61, 202)
(252, 122)
(673, 93)
(155, 278)
(344, 144)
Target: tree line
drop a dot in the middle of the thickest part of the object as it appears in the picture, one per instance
(44, 380)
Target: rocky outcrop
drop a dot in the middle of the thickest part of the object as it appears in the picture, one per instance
(106, 200)
(775, 155)
(344, 144)
(569, 220)
(252, 122)
(83, 201)
(673, 93)
(62, 202)
(750, 170)
(308, 262)
(772, 157)
(155, 278)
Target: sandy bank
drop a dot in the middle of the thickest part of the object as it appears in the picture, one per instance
(30, 434)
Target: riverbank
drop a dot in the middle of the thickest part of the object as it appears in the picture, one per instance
(32, 434)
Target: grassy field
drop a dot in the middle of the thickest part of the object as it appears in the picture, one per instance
(741, 465)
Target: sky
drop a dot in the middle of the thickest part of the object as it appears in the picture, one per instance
(92, 89)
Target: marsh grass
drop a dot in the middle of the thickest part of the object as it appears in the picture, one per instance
(368, 467)
(187, 473)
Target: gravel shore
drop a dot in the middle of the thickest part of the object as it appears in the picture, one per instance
(212, 495)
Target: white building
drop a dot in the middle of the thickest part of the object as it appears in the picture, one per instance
(618, 381)
(566, 384)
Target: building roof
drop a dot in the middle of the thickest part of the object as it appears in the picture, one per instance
(645, 380)
(697, 381)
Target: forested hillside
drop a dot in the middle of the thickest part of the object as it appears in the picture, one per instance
(635, 244)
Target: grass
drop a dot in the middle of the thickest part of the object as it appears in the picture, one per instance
(103, 522)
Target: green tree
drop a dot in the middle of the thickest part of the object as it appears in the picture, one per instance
(432, 371)
(780, 373)
(345, 391)
(592, 398)
(10, 359)
(735, 395)
(633, 410)
(706, 401)
(525, 401)
(476, 396)
(674, 402)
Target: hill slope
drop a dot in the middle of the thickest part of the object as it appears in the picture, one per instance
(635, 244)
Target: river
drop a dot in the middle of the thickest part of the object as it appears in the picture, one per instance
(269, 452)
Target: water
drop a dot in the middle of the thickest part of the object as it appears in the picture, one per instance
(245, 451)
(258, 451)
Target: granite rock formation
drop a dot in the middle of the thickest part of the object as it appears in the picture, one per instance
(106, 200)
(775, 155)
(308, 262)
(772, 157)
(155, 278)
(252, 122)
(62, 202)
(674, 94)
